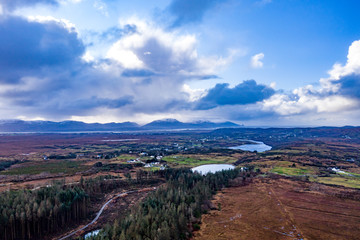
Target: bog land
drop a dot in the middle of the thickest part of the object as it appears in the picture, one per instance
(306, 187)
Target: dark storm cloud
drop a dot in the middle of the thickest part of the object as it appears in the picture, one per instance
(190, 11)
(11, 5)
(350, 85)
(246, 92)
(29, 46)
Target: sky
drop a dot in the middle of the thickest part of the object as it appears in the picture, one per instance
(252, 62)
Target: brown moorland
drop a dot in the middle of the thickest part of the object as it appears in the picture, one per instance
(282, 209)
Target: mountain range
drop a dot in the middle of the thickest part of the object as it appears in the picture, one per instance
(75, 126)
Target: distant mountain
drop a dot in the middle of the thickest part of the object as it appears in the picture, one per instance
(75, 126)
(164, 124)
(65, 126)
(175, 124)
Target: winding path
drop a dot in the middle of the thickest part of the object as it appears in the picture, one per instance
(100, 212)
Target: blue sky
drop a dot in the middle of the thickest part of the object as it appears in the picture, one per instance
(257, 62)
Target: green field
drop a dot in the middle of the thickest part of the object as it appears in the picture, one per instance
(193, 161)
(288, 151)
(349, 174)
(292, 171)
(346, 181)
(126, 157)
(67, 167)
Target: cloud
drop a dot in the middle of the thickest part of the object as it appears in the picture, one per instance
(146, 71)
(31, 46)
(256, 60)
(338, 72)
(163, 52)
(303, 102)
(335, 102)
(95, 102)
(338, 93)
(194, 94)
(190, 11)
(44, 74)
(349, 85)
(137, 73)
(247, 92)
(10, 5)
(352, 65)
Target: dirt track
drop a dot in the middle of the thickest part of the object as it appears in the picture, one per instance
(81, 229)
(280, 209)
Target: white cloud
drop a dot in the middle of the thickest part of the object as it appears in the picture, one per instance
(87, 57)
(48, 19)
(338, 71)
(256, 60)
(153, 48)
(194, 94)
(126, 58)
(145, 74)
(328, 98)
(25, 118)
(302, 103)
(352, 65)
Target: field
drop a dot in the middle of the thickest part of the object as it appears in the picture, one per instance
(65, 166)
(305, 186)
(44, 156)
(198, 159)
(281, 209)
(346, 181)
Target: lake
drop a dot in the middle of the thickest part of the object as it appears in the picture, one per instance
(254, 146)
(92, 234)
(212, 168)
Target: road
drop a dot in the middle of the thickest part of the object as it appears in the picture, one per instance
(100, 212)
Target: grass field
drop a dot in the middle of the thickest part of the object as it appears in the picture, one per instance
(285, 168)
(188, 161)
(196, 160)
(288, 151)
(341, 180)
(126, 157)
(292, 171)
(67, 167)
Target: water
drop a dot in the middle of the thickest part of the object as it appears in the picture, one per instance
(254, 146)
(212, 168)
(92, 234)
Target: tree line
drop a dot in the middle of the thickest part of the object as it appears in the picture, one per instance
(34, 214)
(27, 214)
(174, 210)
